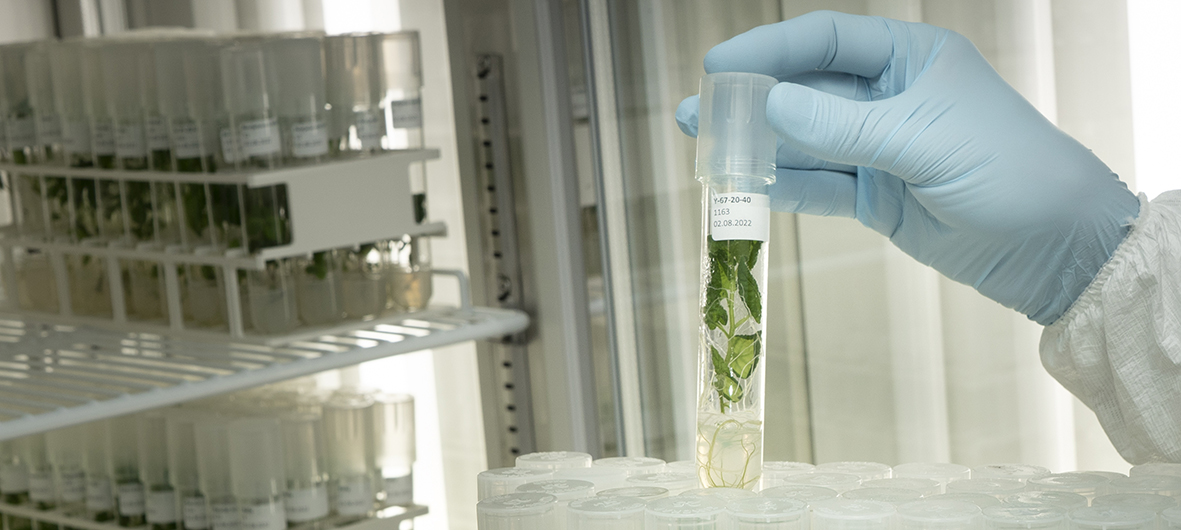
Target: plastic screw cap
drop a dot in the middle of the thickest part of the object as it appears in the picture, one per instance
(601, 477)
(516, 505)
(1081, 483)
(938, 471)
(786, 469)
(1109, 475)
(862, 470)
(927, 514)
(675, 481)
(505, 480)
(1171, 517)
(606, 508)
(632, 465)
(997, 487)
(1110, 518)
(725, 494)
(564, 490)
(841, 482)
(640, 492)
(1143, 501)
(1022, 472)
(1159, 484)
(1156, 468)
(808, 494)
(762, 510)
(893, 496)
(979, 499)
(554, 460)
(835, 514)
(1061, 499)
(1023, 517)
(670, 512)
(925, 486)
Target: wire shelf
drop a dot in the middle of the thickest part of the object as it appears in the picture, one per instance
(388, 518)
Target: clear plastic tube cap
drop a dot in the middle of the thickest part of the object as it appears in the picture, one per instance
(733, 136)
(602, 477)
(1159, 484)
(997, 487)
(1082, 483)
(640, 492)
(893, 496)
(688, 466)
(840, 482)
(682, 511)
(1109, 475)
(1022, 472)
(808, 494)
(612, 507)
(928, 514)
(940, 472)
(564, 490)
(1110, 518)
(863, 470)
(1023, 517)
(505, 480)
(786, 469)
(516, 505)
(1171, 517)
(554, 460)
(1143, 501)
(674, 481)
(845, 514)
(1156, 468)
(925, 486)
(725, 494)
(632, 465)
(979, 499)
(1061, 499)
(762, 510)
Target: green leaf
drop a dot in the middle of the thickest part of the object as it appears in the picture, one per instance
(748, 289)
(719, 362)
(752, 255)
(728, 389)
(743, 355)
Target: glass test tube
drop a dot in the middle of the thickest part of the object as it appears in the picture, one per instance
(213, 472)
(16, 114)
(36, 456)
(188, 77)
(364, 277)
(863, 470)
(204, 298)
(14, 480)
(126, 68)
(735, 164)
(299, 99)
(676, 513)
(357, 121)
(90, 290)
(271, 291)
(604, 513)
(183, 469)
(161, 497)
(505, 480)
(70, 102)
(100, 495)
(257, 473)
(41, 96)
(517, 511)
(306, 498)
(36, 284)
(394, 449)
(347, 431)
(66, 447)
(95, 104)
(123, 441)
(317, 280)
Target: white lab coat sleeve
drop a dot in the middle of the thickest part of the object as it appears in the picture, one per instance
(1118, 348)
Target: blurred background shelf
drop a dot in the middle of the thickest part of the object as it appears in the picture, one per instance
(389, 518)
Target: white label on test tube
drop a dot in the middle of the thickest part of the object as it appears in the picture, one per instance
(98, 495)
(73, 486)
(270, 516)
(229, 150)
(77, 137)
(104, 139)
(354, 496)
(49, 129)
(129, 141)
(225, 515)
(370, 128)
(195, 515)
(307, 504)
(20, 133)
(157, 134)
(399, 491)
(131, 499)
(161, 507)
(309, 139)
(41, 487)
(14, 480)
(737, 215)
(187, 138)
(260, 137)
(406, 114)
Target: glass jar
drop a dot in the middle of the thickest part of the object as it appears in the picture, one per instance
(410, 273)
(204, 296)
(90, 290)
(272, 297)
(363, 281)
(318, 282)
(36, 284)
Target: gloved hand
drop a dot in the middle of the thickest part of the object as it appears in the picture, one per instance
(907, 128)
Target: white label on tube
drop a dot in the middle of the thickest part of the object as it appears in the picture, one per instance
(370, 128)
(14, 479)
(229, 150)
(745, 216)
(131, 499)
(103, 138)
(195, 515)
(309, 139)
(260, 137)
(306, 504)
(49, 129)
(41, 487)
(129, 141)
(73, 486)
(98, 495)
(187, 138)
(225, 515)
(399, 490)
(406, 114)
(270, 516)
(77, 137)
(21, 133)
(157, 133)
(354, 496)
(161, 507)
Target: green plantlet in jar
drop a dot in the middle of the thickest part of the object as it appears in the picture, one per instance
(319, 265)
(731, 287)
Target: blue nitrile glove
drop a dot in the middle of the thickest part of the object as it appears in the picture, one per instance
(908, 129)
